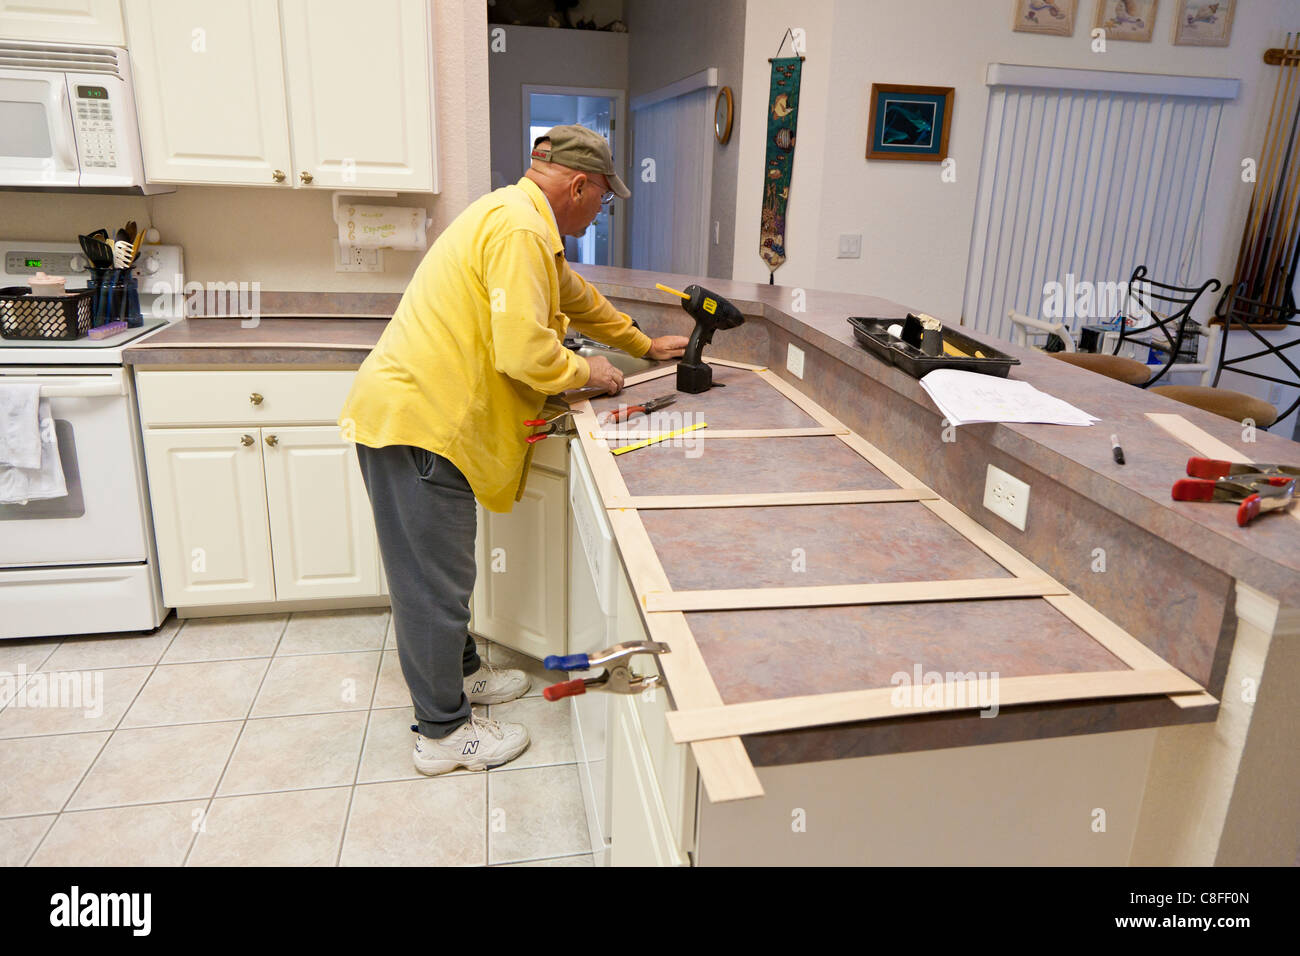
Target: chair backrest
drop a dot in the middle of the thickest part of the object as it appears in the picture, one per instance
(1250, 314)
(1161, 314)
(1022, 326)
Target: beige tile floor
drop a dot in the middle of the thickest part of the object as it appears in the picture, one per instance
(268, 740)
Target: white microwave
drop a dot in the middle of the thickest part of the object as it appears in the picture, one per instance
(67, 118)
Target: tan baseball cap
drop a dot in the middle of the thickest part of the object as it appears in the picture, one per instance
(580, 148)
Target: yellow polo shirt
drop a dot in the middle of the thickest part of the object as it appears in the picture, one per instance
(475, 345)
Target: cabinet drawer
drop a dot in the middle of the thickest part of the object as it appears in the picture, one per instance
(248, 397)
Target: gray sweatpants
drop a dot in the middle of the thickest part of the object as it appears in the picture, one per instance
(425, 519)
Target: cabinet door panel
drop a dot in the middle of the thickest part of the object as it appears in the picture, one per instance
(519, 597)
(209, 86)
(64, 21)
(640, 832)
(322, 530)
(209, 509)
(359, 84)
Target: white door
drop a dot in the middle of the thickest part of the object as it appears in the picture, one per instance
(519, 596)
(37, 146)
(359, 84)
(63, 21)
(209, 86)
(669, 231)
(209, 513)
(101, 518)
(322, 531)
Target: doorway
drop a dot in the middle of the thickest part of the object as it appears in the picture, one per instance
(601, 111)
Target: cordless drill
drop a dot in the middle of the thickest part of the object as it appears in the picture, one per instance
(710, 312)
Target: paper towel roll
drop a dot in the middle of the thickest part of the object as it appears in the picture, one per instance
(394, 227)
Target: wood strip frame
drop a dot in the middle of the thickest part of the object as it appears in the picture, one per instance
(714, 729)
(771, 499)
(1205, 444)
(766, 716)
(837, 595)
(818, 432)
(649, 375)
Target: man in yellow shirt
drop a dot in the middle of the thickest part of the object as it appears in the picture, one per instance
(437, 412)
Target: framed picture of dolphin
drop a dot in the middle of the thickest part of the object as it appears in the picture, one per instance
(909, 122)
(1053, 17)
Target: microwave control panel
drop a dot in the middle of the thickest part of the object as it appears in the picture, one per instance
(96, 134)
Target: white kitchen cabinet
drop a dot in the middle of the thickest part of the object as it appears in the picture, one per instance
(209, 86)
(641, 833)
(301, 93)
(519, 593)
(63, 21)
(252, 460)
(358, 81)
(209, 513)
(322, 530)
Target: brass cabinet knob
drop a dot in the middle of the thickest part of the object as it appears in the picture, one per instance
(306, 177)
(278, 175)
(246, 440)
(255, 399)
(272, 440)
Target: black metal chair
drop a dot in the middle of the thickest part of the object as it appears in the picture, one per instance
(1247, 314)
(1151, 302)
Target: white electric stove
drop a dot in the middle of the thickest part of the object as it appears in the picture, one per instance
(84, 563)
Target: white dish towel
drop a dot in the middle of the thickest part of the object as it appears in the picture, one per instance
(20, 485)
(20, 436)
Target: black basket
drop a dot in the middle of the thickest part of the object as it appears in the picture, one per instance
(27, 316)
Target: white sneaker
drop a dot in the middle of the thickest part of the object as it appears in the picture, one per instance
(488, 685)
(477, 744)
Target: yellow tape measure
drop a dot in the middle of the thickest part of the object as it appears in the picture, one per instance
(659, 438)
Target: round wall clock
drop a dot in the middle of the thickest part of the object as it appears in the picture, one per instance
(722, 115)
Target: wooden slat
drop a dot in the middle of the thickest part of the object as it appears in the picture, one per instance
(835, 595)
(1204, 444)
(1118, 641)
(771, 499)
(730, 364)
(649, 375)
(729, 433)
(723, 763)
(983, 538)
(882, 462)
(604, 468)
(766, 716)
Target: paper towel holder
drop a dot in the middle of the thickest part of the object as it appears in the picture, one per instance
(382, 193)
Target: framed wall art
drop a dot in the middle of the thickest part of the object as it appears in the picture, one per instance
(1203, 22)
(909, 122)
(1053, 17)
(1126, 19)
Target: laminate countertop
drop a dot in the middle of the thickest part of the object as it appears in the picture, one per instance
(1173, 574)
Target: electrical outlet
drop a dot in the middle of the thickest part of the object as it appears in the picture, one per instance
(356, 259)
(1006, 497)
(794, 361)
(850, 246)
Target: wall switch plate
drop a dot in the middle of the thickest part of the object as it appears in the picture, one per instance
(1006, 497)
(850, 246)
(794, 361)
(356, 259)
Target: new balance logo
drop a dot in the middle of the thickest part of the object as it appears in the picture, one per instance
(471, 747)
(479, 686)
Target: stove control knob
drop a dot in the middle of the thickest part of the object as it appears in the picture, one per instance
(79, 264)
(151, 264)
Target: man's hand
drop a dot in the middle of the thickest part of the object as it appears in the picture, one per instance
(667, 347)
(604, 373)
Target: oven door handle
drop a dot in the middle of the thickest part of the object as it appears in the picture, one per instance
(62, 126)
(82, 391)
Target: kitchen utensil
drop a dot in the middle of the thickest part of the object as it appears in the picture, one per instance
(122, 254)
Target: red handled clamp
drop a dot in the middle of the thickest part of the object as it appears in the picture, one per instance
(618, 677)
(548, 423)
(1253, 494)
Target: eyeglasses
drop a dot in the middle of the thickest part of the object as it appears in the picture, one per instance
(607, 196)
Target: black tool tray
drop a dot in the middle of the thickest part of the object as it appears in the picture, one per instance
(873, 335)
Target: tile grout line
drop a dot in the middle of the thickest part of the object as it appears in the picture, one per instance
(207, 809)
(365, 733)
(180, 626)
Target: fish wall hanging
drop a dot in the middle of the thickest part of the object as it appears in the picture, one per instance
(782, 124)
